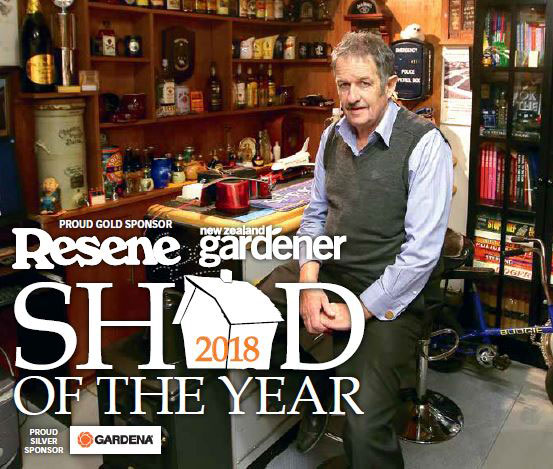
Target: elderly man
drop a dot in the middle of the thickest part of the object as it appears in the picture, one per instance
(383, 178)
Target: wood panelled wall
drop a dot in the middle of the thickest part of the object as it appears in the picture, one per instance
(427, 13)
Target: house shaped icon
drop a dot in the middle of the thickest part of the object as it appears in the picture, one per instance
(225, 323)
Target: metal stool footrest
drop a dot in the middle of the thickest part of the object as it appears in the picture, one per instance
(447, 353)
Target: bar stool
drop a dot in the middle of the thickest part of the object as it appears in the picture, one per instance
(433, 417)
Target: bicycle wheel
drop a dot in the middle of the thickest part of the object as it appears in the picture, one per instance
(546, 345)
(549, 384)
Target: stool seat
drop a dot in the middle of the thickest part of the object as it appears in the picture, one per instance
(469, 273)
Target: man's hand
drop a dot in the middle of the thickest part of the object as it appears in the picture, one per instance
(313, 306)
(341, 319)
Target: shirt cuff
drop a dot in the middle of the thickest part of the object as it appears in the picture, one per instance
(380, 304)
(303, 259)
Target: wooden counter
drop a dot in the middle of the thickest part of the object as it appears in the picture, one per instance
(288, 221)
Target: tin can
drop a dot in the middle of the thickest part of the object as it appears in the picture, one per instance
(182, 99)
(112, 165)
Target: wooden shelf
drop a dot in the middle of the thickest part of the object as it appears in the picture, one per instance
(283, 61)
(370, 17)
(131, 199)
(203, 115)
(314, 108)
(205, 17)
(54, 95)
(119, 59)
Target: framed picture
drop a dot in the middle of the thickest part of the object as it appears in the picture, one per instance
(4, 106)
(456, 89)
(9, 38)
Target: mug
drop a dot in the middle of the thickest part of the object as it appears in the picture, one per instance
(161, 172)
(303, 50)
(321, 50)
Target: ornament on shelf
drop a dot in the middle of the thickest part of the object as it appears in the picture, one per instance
(50, 200)
(413, 31)
(364, 7)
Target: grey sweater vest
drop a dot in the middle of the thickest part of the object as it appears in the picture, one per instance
(367, 200)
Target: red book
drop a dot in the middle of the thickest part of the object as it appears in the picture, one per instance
(493, 179)
(482, 173)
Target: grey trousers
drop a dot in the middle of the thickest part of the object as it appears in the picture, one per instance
(384, 363)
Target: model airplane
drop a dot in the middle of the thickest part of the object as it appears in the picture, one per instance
(301, 158)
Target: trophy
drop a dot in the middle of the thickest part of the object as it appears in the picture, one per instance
(65, 52)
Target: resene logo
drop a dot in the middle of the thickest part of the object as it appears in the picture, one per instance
(115, 440)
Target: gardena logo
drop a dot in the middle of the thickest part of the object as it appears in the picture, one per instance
(85, 439)
(115, 440)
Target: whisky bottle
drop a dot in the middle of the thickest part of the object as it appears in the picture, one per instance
(240, 84)
(38, 74)
(271, 87)
(242, 8)
(251, 90)
(260, 9)
(269, 10)
(231, 154)
(251, 8)
(223, 7)
(165, 92)
(200, 6)
(211, 7)
(172, 4)
(279, 9)
(214, 91)
(501, 110)
(262, 88)
(258, 158)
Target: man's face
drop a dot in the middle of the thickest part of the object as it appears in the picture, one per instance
(360, 91)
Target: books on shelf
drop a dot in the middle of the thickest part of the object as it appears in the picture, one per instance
(524, 167)
(487, 246)
(496, 39)
(530, 41)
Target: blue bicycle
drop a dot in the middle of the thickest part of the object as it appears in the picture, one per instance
(477, 342)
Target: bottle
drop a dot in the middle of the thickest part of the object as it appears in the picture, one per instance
(258, 159)
(233, 8)
(276, 152)
(211, 7)
(260, 9)
(271, 87)
(265, 147)
(222, 7)
(252, 9)
(251, 90)
(501, 110)
(240, 84)
(188, 6)
(269, 10)
(172, 5)
(214, 92)
(231, 154)
(279, 9)
(165, 92)
(262, 88)
(37, 58)
(243, 8)
(200, 6)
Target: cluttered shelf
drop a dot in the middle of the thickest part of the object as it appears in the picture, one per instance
(127, 200)
(209, 17)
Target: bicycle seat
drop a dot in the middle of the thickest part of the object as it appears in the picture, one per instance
(457, 250)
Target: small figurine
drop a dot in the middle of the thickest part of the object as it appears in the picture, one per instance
(413, 31)
(50, 200)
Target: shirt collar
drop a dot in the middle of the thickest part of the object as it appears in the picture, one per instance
(384, 127)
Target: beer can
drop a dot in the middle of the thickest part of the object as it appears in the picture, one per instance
(182, 99)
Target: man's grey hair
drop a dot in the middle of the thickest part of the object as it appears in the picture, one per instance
(363, 44)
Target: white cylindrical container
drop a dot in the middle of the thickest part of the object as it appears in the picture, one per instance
(60, 148)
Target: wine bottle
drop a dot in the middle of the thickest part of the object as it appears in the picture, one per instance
(37, 57)
(214, 91)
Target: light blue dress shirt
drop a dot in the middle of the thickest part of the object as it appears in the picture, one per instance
(430, 189)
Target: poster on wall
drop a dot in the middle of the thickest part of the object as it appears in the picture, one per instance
(456, 89)
(9, 42)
